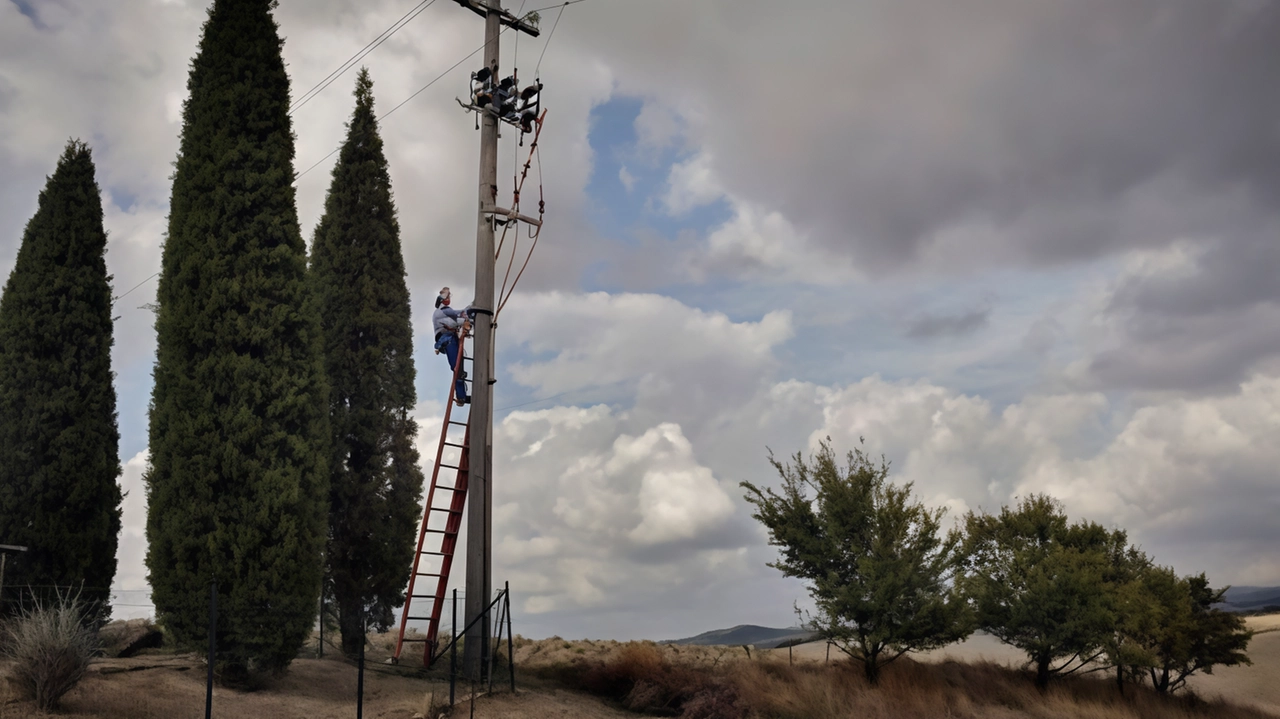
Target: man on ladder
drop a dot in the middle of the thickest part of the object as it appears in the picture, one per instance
(448, 324)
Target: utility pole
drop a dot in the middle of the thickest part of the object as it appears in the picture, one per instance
(479, 586)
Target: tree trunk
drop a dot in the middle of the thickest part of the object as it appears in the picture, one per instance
(1042, 672)
(871, 667)
(1162, 685)
(1120, 678)
(350, 625)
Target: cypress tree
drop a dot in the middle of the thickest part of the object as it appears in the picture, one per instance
(59, 459)
(237, 484)
(375, 483)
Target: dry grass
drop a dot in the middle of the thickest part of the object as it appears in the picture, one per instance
(49, 648)
(693, 682)
(653, 679)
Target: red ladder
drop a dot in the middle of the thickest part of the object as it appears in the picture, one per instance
(455, 496)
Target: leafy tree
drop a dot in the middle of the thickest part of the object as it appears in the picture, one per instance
(238, 480)
(1177, 631)
(1043, 586)
(375, 484)
(877, 566)
(59, 460)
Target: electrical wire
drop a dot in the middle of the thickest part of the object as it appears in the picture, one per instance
(535, 401)
(120, 297)
(551, 34)
(406, 100)
(373, 45)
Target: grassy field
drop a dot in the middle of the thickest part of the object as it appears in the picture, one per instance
(603, 679)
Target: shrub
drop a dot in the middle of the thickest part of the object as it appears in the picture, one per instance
(50, 645)
(642, 680)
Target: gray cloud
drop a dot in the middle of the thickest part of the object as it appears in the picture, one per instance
(928, 326)
(982, 133)
(1205, 321)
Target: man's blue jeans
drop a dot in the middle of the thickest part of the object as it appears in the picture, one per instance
(451, 351)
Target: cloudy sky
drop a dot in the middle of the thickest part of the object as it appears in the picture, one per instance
(1018, 245)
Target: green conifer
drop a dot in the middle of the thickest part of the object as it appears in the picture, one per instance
(59, 443)
(238, 434)
(375, 482)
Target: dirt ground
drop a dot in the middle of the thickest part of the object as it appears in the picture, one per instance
(157, 686)
(548, 704)
(164, 687)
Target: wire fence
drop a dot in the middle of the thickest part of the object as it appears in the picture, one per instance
(374, 653)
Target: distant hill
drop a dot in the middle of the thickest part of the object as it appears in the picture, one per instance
(763, 637)
(1250, 599)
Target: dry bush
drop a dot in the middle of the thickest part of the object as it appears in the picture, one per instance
(641, 678)
(655, 680)
(50, 647)
(914, 690)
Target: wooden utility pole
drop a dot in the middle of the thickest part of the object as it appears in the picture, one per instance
(479, 587)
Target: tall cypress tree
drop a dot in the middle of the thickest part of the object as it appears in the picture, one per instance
(238, 435)
(375, 483)
(59, 444)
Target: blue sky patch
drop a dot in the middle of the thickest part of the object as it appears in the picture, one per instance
(620, 213)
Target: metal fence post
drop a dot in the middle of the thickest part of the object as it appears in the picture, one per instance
(213, 647)
(511, 654)
(453, 649)
(360, 675)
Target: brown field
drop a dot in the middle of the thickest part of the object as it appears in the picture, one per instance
(598, 680)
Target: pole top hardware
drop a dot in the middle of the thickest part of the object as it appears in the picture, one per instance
(479, 7)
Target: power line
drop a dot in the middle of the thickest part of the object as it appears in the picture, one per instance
(373, 45)
(402, 103)
(116, 299)
(550, 34)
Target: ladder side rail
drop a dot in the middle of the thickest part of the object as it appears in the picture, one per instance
(426, 514)
(448, 545)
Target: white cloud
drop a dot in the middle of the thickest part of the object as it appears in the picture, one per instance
(1191, 479)
(692, 184)
(662, 344)
(677, 501)
(763, 245)
(130, 592)
(587, 500)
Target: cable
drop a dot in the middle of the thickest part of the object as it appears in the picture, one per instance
(550, 34)
(536, 401)
(407, 99)
(373, 45)
(116, 299)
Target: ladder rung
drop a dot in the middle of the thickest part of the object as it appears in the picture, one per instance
(463, 424)
(459, 446)
(418, 619)
(450, 511)
(436, 554)
(450, 466)
(423, 596)
(426, 574)
(440, 531)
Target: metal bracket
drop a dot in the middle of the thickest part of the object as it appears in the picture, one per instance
(504, 17)
(511, 215)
